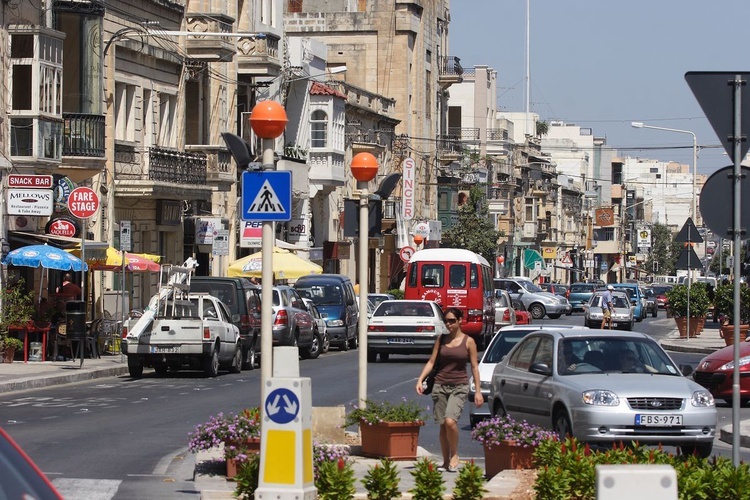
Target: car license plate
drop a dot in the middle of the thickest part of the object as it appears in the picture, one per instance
(658, 420)
(400, 340)
(614, 325)
(165, 350)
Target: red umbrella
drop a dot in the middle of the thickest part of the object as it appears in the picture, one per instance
(139, 263)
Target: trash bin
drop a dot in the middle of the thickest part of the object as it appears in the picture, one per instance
(75, 321)
(35, 351)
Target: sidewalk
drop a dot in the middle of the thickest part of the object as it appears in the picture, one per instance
(19, 376)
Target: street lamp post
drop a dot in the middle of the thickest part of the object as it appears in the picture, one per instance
(694, 211)
(364, 168)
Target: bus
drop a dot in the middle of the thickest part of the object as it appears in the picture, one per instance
(455, 277)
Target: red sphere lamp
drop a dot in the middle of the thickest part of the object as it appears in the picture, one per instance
(268, 119)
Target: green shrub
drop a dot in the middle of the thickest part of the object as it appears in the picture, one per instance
(428, 481)
(381, 481)
(247, 477)
(397, 293)
(469, 484)
(335, 480)
(724, 302)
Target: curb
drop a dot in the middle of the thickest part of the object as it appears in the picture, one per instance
(726, 434)
(67, 378)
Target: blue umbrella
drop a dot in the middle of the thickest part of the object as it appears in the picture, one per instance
(44, 256)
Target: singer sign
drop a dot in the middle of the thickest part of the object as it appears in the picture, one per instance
(407, 200)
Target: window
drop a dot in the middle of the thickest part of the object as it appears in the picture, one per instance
(21, 85)
(530, 214)
(167, 110)
(457, 276)
(319, 129)
(521, 359)
(125, 112)
(432, 275)
(21, 136)
(148, 118)
(50, 140)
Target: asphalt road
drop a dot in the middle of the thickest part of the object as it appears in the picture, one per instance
(131, 435)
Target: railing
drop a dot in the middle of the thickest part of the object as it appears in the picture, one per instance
(176, 166)
(450, 65)
(256, 46)
(465, 133)
(200, 24)
(449, 144)
(497, 134)
(83, 135)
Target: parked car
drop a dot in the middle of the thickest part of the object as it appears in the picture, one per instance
(242, 298)
(652, 307)
(337, 303)
(622, 312)
(580, 295)
(377, 298)
(660, 291)
(602, 388)
(504, 313)
(501, 344)
(538, 302)
(556, 288)
(320, 342)
(522, 315)
(636, 298)
(404, 327)
(715, 372)
(293, 325)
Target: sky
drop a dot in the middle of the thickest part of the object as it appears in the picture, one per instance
(603, 64)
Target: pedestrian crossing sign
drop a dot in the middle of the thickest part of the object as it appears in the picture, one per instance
(267, 196)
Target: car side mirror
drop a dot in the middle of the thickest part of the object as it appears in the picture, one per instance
(686, 370)
(540, 369)
(235, 318)
(349, 302)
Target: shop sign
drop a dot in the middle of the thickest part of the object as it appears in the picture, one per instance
(297, 230)
(407, 200)
(251, 234)
(30, 181)
(61, 226)
(29, 202)
(220, 245)
(63, 188)
(168, 212)
(205, 229)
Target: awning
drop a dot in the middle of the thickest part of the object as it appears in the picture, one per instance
(59, 241)
(531, 257)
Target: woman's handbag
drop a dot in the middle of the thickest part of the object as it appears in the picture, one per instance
(429, 381)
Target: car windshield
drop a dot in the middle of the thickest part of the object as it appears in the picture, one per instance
(582, 288)
(502, 344)
(322, 295)
(661, 290)
(529, 286)
(404, 308)
(613, 355)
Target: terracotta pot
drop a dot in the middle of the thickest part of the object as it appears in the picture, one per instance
(251, 445)
(727, 333)
(395, 440)
(8, 354)
(507, 455)
(682, 326)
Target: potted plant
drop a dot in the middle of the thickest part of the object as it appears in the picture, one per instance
(18, 311)
(679, 306)
(238, 433)
(388, 429)
(724, 303)
(509, 443)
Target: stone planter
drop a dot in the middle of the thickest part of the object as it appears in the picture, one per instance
(727, 333)
(8, 354)
(507, 455)
(395, 440)
(682, 326)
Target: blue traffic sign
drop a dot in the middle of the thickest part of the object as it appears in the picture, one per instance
(267, 195)
(282, 406)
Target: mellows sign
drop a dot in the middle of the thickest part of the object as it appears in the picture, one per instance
(29, 202)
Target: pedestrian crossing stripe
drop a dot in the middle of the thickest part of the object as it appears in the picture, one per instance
(266, 201)
(266, 195)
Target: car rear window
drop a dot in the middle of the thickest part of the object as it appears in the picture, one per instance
(225, 292)
(581, 288)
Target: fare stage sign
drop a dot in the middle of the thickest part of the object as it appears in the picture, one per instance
(83, 202)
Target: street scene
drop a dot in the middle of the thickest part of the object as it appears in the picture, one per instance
(301, 249)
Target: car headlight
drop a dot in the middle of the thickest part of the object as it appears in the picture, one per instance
(485, 385)
(702, 398)
(335, 322)
(601, 398)
(730, 366)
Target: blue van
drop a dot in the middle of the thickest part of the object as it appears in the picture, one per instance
(636, 298)
(333, 295)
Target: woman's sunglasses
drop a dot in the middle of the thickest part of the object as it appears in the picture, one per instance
(450, 321)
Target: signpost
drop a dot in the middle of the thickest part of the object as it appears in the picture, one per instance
(83, 203)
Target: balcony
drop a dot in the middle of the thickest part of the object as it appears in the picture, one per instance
(205, 45)
(449, 148)
(162, 173)
(258, 56)
(83, 135)
(449, 71)
(327, 170)
(497, 134)
(219, 170)
(465, 134)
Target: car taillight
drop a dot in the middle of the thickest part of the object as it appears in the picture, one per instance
(425, 328)
(567, 294)
(206, 333)
(245, 321)
(375, 328)
(474, 315)
(281, 318)
(506, 315)
(124, 331)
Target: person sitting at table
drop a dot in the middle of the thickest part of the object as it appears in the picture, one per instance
(69, 289)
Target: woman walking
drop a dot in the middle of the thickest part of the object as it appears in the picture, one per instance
(451, 352)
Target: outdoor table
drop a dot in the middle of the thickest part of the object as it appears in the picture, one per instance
(30, 329)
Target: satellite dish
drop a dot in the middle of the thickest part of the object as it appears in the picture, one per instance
(387, 185)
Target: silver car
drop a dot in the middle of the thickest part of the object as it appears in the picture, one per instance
(505, 314)
(622, 312)
(538, 302)
(604, 388)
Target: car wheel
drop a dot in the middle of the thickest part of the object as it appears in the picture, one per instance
(384, 356)
(703, 450)
(537, 311)
(569, 313)
(317, 345)
(629, 326)
(250, 358)
(161, 368)
(236, 366)
(655, 313)
(354, 341)
(498, 410)
(135, 367)
(561, 425)
(344, 346)
(372, 356)
(326, 343)
(211, 363)
(554, 316)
